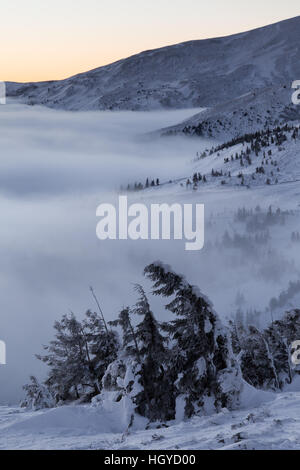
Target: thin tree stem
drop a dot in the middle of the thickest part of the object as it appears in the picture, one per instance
(100, 309)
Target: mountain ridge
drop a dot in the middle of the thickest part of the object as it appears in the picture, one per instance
(197, 73)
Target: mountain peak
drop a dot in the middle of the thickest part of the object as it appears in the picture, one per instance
(197, 73)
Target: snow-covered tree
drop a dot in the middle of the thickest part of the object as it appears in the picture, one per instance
(257, 362)
(289, 326)
(237, 332)
(121, 381)
(140, 373)
(287, 331)
(156, 400)
(66, 358)
(129, 343)
(280, 352)
(79, 356)
(101, 345)
(205, 370)
(38, 396)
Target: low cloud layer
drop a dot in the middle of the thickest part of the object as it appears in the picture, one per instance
(55, 169)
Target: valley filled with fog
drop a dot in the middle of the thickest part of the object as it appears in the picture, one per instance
(56, 167)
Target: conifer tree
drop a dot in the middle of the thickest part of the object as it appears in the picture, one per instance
(257, 362)
(79, 356)
(156, 400)
(101, 346)
(121, 380)
(280, 353)
(289, 326)
(38, 396)
(129, 344)
(202, 357)
(66, 357)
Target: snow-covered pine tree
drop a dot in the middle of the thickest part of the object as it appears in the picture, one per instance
(140, 374)
(257, 362)
(206, 373)
(280, 352)
(101, 346)
(288, 329)
(129, 343)
(237, 332)
(70, 370)
(289, 326)
(38, 396)
(156, 399)
(120, 383)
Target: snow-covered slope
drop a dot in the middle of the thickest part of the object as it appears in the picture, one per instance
(256, 110)
(265, 421)
(192, 74)
(252, 158)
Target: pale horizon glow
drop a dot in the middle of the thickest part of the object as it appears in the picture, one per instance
(54, 40)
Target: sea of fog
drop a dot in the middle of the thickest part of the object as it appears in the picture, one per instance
(55, 169)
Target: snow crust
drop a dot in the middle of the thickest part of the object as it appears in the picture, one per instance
(265, 421)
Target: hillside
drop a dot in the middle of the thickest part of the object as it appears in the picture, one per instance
(259, 109)
(266, 421)
(200, 73)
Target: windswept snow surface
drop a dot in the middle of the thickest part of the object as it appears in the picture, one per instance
(265, 421)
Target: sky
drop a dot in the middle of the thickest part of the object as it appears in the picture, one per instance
(47, 40)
